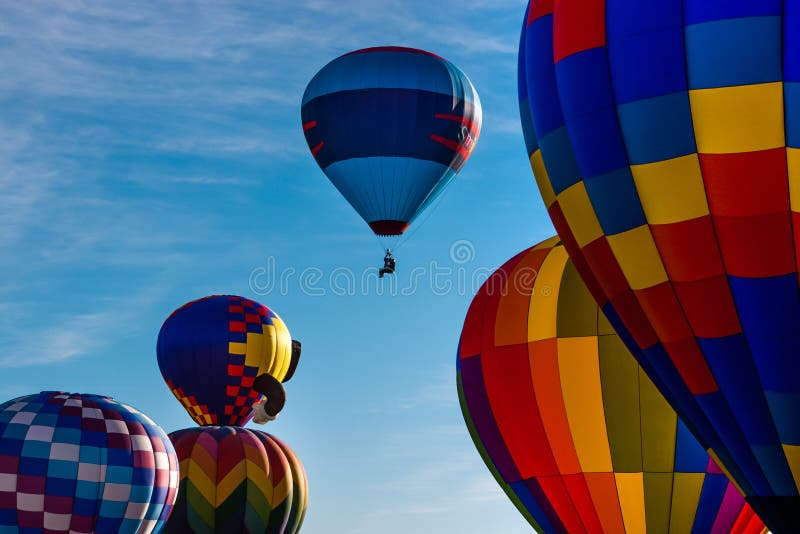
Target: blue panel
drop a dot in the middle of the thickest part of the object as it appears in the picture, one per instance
(597, 143)
(710, 500)
(647, 64)
(522, 491)
(717, 409)
(791, 100)
(791, 46)
(540, 77)
(770, 312)
(386, 188)
(704, 10)
(784, 412)
(387, 122)
(397, 70)
(559, 160)
(732, 365)
(690, 457)
(734, 52)
(776, 468)
(583, 83)
(616, 201)
(528, 131)
(657, 129)
(625, 17)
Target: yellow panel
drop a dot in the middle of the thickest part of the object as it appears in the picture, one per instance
(547, 244)
(580, 215)
(672, 190)
(231, 482)
(579, 367)
(685, 497)
(202, 481)
(237, 348)
(270, 340)
(792, 453)
(793, 159)
(255, 350)
(282, 349)
(638, 257)
(542, 178)
(743, 118)
(630, 488)
(544, 301)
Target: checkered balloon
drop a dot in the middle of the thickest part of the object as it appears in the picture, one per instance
(83, 463)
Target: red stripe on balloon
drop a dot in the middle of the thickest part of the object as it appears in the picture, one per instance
(317, 148)
(308, 125)
(452, 145)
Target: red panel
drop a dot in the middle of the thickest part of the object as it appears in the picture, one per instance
(509, 387)
(688, 249)
(559, 498)
(237, 326)
(471, 333)
(691, 365)
(578, 25)
(630, 311)
(709, 307)
(604, 266)
(750, 183)
(664, 312)
(582, 500)
(539, 8)
(229, 454)
(757, 246)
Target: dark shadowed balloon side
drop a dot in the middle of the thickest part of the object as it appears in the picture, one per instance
(569, 424)
(83, 464)
(390, 127)
(665, 139)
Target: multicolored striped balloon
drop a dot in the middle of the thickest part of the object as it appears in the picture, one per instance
(665, 139)
(390, 127)
(237, 480)
(569, 424)
(211, 350)
(83, 464)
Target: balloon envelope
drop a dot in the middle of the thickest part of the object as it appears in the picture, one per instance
(237, 480)
(211, 350)
(664, 138)
(83, 463)
(572, 428)
(390, 127)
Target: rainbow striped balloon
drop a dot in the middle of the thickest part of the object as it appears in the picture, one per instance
(571, 427)
(235, 479)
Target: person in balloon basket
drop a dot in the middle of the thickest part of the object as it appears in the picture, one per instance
(388, 264)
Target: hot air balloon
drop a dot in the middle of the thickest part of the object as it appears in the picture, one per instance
(83, 463)
(664, 138)
(390, 127)
(237, 480)
(569, 424)
(219, 355)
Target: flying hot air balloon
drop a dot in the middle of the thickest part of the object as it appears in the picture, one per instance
(391, 127)
(569, 424)
(237, 480)
(222, 356)
(74, 463)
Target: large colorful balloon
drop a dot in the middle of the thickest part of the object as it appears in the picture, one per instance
(569, 424)
(665, 139)
(390, 127)
(83, 464)
(216, 351)
(237, 480)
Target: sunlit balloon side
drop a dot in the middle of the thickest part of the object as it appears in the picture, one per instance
(390, 127)
(569, 424)
(664, 138)
(83, 464)
(237, 480)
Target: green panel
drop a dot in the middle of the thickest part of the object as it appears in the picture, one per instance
(657, 501)
(577, 310)
(604, 328)
(685, 497)
(619, 374)
(258, 501)
(201, 514)
(659, 427)
(230, 512)
(488, 461)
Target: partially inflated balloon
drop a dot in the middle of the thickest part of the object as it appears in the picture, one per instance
(237, 480)
(214, 352)
(569, 424)
(665, 138)
(390, 127)
(83, 464)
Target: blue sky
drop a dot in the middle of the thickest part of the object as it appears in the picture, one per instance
(152, 153)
